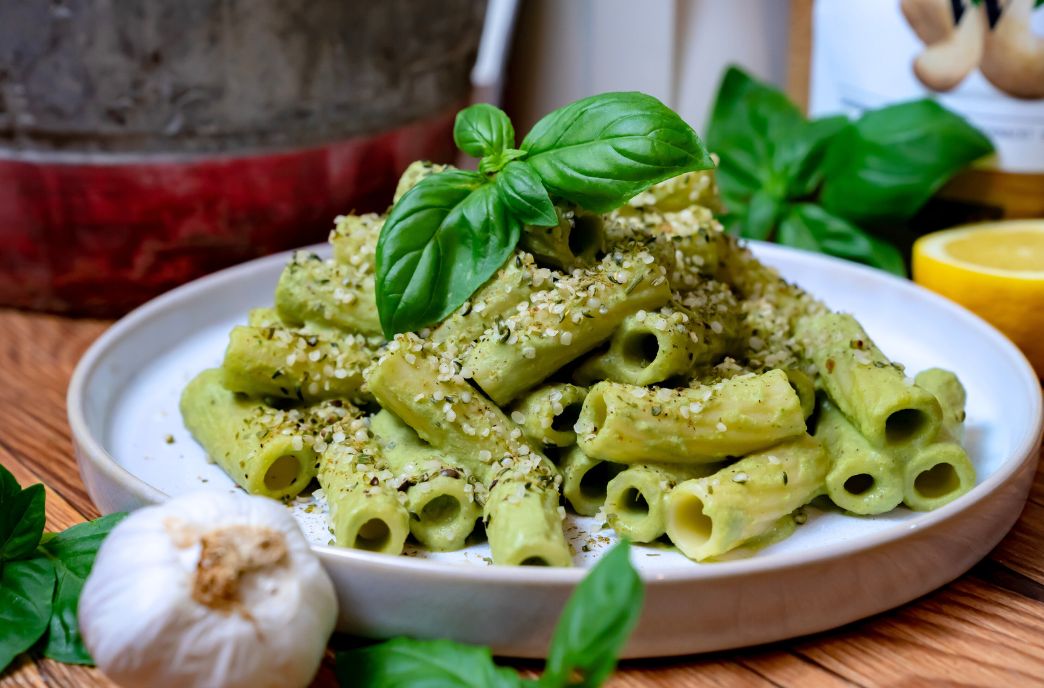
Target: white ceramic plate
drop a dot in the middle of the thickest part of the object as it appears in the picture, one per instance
(133, 450)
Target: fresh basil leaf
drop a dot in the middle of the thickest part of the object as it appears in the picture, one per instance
(26, 588)
(525, 196)
(21, 517)
(759, 221)
(441, 242)
(889, 163)
(72, 553)
(596, 622)
(802, 159)
(491, 164)
(601, 151)
(422, 664)
(747, 119)
(9, 486)
(810, 227)
(765, 142)
(483, 129)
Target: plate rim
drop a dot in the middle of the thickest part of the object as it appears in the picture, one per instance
(91, 448)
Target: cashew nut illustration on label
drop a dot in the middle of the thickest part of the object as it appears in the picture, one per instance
(994, 35)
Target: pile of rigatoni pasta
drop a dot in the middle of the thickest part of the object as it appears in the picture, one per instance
(642, 364)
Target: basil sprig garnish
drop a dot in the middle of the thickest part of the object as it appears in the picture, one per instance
(453, 230)
(832, 185)
(591, 631)
(41, 575)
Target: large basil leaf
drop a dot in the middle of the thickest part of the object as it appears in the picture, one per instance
(595, 623)
(601, 151)
(525, 195)
(483, 129)
(765, 143)
(422, 664)
(25, 605)
(748, 120)
(21, 517)
(441, 241)
(810, 227)
(72, 553)
(889, 163)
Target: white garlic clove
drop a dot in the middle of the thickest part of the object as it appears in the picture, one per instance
(208, 589)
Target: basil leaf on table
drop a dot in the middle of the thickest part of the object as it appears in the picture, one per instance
(594, 625)
(72, 553)
(482, 130)
(441, 242)
(810, 227)
(601, 151)
(891, 161)
(423, 663)
(26, 588)
(596, 622)
(525, 195)
(21, 517)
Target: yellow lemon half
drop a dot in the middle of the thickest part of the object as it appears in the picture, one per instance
(995, 270)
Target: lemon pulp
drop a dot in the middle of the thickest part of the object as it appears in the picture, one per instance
(1020, 250)
(995, 270)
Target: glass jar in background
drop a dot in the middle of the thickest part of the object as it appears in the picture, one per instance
(983, 59)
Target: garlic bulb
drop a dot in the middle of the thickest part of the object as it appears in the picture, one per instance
(208, 589)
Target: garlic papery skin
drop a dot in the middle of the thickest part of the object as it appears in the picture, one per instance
(209, 589)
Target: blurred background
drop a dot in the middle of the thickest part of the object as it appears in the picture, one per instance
(145, 144)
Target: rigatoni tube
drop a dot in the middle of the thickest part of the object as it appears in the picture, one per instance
(267, 451)
(497, 298)
(870, 390)
(313, 290)
(565, 322)
(635, 500)
(863, 479)
(547, 414)
(941, 472)
(428, 392)
(524, 524)
(707, 517)
(584, 480)
(354, 240)
(440, 492)
(366, 511)
(278, 362)
(629, 424)
(575, 241)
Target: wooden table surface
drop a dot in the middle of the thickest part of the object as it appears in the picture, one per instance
(986, 628)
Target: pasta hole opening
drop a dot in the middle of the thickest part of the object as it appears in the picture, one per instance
(585, 236)
(282, 472)
(641, 348)
(534, 561)
(692, 526)
(596, 411)
(442, 509)
(903, 426)
(565, 420)
(594, 482)
(633, 503)
(938, 481)
(859, 484)
(373, 536)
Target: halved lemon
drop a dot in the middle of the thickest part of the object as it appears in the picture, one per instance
(995, 270)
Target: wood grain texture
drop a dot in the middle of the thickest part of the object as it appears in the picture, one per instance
(984, 629)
